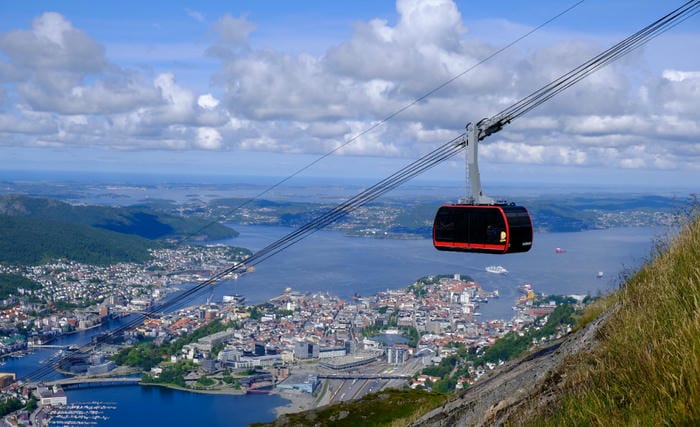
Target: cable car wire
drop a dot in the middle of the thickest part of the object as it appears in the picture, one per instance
(438, 155)
(395, 113)
(606, 57)
(452, 147)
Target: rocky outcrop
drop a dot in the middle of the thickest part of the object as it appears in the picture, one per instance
(515, 388)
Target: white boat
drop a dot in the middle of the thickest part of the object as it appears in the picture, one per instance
(496, 269)
(599, 275)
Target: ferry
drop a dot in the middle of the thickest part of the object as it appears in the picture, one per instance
(496, 269)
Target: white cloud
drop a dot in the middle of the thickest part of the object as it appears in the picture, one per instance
(59, 87)
(208, 138)
(679, 76)
(207, 101)
(52, 44)
(57, 68)
(196, 15)
(231, 35)
(179, 101)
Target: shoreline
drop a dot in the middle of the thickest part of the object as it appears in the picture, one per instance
(228, 391)
(298, 401)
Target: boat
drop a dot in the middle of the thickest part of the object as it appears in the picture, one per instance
(560, 250)
(599, 275)
(496, 269)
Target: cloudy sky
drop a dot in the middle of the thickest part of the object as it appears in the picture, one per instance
(264, 87)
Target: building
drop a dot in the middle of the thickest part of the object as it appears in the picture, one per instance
(259, 349)
(306, 350)
(397, 354)
(327, 352)
(212, 340)
(6, 379)
(101, 368)
(353, 361)
(305, 383)
(53, 396)
(229, 356)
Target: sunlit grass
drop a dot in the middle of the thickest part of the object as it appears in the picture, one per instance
(647, 369)
(386, 408)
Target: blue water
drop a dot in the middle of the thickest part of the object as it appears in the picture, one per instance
(329, 262)
(157, 406)
(30, 365)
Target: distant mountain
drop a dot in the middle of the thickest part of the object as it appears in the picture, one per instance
(392, 218)
(138, 221)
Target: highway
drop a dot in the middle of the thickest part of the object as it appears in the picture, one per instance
(344, 386)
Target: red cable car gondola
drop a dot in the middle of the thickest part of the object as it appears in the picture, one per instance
(481, 224)
(496, 229)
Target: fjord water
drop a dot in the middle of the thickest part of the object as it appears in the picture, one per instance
(327, 261)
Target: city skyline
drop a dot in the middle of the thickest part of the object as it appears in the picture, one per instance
(254, 88)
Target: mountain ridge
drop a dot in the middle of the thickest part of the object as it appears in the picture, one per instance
(149, 224)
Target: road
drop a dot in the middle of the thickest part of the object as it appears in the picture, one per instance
(349, 389)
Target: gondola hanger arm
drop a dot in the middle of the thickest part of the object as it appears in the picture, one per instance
(473, 135)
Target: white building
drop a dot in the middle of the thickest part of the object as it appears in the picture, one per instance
(53, 396)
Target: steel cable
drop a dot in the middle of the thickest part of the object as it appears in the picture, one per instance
(419, 166)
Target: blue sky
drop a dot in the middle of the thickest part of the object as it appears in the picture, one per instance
(263, 88)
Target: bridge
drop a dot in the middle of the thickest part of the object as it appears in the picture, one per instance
(78, 382)
(62, 347)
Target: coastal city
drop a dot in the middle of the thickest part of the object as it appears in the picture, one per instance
(420, 213)
(312, 348)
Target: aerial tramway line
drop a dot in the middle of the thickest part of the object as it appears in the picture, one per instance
(481, 224)
(476, 224)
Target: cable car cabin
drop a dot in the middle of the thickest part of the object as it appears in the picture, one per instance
(495, 229)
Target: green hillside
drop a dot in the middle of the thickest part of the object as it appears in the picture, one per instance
(646, 368)
(136, 221)
(9, 283)
(385, 408)
(35, 241)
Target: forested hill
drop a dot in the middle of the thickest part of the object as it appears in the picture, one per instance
(137, 221)
(29, 241)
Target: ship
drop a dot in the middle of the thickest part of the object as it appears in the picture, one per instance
(560, 250)
(496, 269)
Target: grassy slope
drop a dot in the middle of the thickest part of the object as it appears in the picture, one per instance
(646, 370)
(385, 408)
